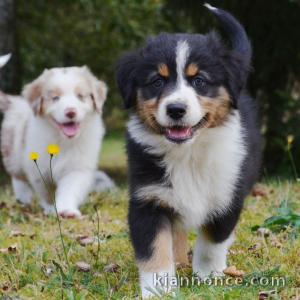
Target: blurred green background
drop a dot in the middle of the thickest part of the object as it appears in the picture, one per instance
(44, 34)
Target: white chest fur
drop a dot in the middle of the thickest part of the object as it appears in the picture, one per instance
(203, 173)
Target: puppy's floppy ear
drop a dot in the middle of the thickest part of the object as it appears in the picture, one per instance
(32, 92)
(126, 78)
(99, 89)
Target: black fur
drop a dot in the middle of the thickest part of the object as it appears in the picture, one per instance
(225, 67)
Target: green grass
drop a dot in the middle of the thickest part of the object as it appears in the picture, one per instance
(34, 267)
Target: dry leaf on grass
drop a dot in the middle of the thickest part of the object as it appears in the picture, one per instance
(263, 232)
(259, 191)
(111, 268)
(266, 294)
(15, 233)
(83, 266)
(85, 240)
(255, 247)
(9, 250)
(234, 272)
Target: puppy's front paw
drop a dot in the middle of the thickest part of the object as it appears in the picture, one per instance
(69, 213)
(209, 270)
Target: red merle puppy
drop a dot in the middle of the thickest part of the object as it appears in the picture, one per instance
(193, 148)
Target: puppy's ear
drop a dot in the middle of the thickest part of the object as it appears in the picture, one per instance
(99, 89)
(126, 78)
(32, 92)
(237, 75)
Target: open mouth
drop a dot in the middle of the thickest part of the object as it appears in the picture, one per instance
(69, 129)
(180, 134)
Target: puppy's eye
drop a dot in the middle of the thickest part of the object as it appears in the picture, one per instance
(158, 83)
(199, 82)
(80, 96)
(55, 98)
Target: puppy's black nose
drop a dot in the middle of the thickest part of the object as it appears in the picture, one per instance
(176, 110)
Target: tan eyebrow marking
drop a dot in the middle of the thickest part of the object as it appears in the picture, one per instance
(163, 70)
(56, 92)
(192, 70)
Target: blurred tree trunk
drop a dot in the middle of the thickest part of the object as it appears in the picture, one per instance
(10, 74)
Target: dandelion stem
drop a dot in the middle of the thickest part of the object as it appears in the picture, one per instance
(98, 234)
(292, 163)
(43, 178)
(57, 215)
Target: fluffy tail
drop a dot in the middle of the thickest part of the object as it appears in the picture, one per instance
(235, 31)
(4, 59)
(4, 102)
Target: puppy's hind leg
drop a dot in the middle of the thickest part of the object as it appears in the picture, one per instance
(102, 182)
(180, 245)
(22, 191)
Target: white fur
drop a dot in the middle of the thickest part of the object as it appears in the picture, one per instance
(183, 93)
(210, 7)
(74, 167)
(4, 59)
(210, 258)
(150, 287)
(202, 171)
(102, 182)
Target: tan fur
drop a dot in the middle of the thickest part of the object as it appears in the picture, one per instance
(33, 93)
(162, 257)
(180, 246)
(192, 70)
(57, 92)
(99, 89)
(216, 109)
(146, 110)
(163, 70)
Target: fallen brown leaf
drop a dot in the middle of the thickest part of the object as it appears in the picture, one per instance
(263, 232)
(111, 268)
(233, 271)
(15, 233)
(86, 240)
(83, 266)
(12, 248)
(259, 191)
(255, 247)
(265, 294)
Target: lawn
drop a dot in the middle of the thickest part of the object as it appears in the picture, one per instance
(100, 258)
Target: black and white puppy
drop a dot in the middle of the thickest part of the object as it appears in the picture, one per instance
(193, 146)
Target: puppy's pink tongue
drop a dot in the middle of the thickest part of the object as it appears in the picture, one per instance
(70, 129)
(179, 133)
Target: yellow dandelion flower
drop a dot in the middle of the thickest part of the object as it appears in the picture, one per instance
(33, 156)
(53, 149)
(290, 139)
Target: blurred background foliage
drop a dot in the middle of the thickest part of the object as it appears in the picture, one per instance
(96, 32)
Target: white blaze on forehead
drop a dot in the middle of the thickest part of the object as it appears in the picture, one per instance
(182, 93)
(182, 53)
